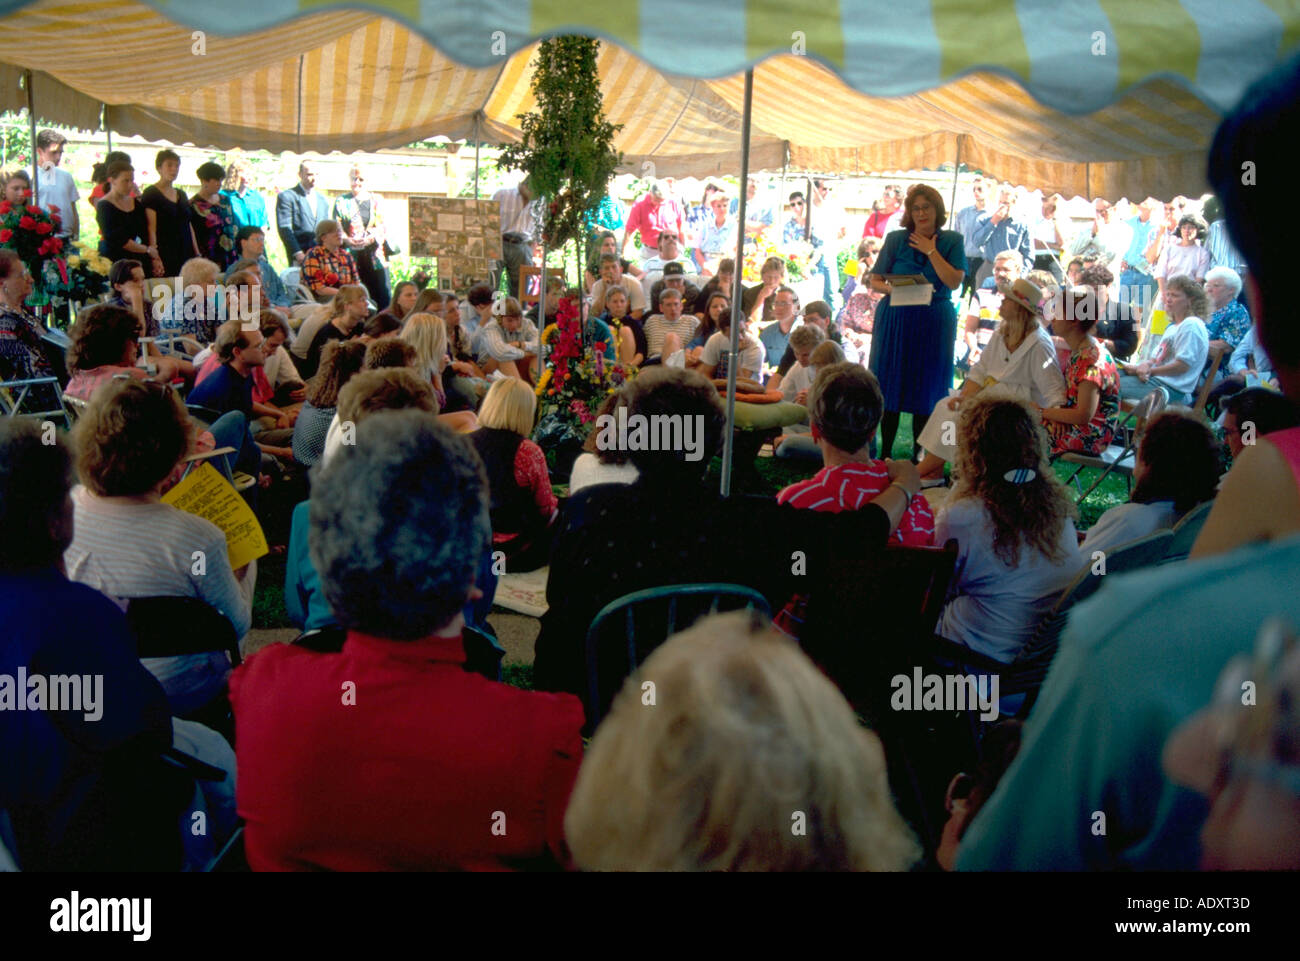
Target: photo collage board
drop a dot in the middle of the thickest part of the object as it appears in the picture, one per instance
(462, 234)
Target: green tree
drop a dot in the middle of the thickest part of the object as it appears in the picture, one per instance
(567, 144)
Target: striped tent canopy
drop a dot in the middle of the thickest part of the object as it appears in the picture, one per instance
(1094, 98)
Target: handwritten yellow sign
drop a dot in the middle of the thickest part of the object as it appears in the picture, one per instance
(205, 493)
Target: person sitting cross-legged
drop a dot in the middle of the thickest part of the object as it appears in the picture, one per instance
(475, 774)
(668, 333)
(844, 408)
(1177, 468)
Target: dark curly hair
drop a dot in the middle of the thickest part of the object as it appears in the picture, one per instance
(1181, 461)
(915, 193)
(339, 361)
(131, 436)
(1000, 434)
(100, 337)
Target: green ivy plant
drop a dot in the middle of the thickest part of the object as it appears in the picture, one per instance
(567, 147)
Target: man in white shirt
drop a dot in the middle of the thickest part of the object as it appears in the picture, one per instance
(519, 223)
(56, 191)
(611, 276)
(669, 251)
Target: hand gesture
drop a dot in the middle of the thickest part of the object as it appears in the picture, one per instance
(801, 398)
(954, 402)
(925, 245)
(904, 472)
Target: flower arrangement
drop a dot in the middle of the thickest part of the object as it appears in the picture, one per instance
(331, 279)
(795, 253)
(86, 278)
(577, 379)
(29, 232)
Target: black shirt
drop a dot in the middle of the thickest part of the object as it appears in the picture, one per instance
(1120, 326)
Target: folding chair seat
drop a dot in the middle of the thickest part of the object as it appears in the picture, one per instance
(1119, 457)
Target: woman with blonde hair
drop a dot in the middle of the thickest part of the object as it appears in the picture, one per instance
(340, 319)
(428, 335)
(1013, 521)
(753, 742)
(523, 506)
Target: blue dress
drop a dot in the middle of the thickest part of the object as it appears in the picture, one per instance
(911, 347)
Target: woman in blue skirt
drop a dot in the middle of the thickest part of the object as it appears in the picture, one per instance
(911, 347)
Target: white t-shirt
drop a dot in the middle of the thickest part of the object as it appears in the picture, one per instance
(796, 379)
(1127, 522)
(58, 189)
(635, 295)
(994, 608)
(1189, 342)
(589, 470)
(751, 356)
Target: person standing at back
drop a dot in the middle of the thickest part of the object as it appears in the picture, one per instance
(297, 212)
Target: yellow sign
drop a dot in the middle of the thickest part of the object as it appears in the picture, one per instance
(1159, 321)
(205, 493)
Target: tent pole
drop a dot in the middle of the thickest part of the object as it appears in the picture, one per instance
(956, 172)
(31, 119)
(738, 289)
(807, 209)
(476, 149)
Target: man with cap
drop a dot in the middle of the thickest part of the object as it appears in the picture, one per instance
(674, 277)
(669, 250)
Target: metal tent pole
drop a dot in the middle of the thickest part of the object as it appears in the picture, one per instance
(476, 155)
(738, 288)
(31, 119)
(956, 172)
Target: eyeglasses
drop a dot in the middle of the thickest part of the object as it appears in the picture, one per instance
(796, 203)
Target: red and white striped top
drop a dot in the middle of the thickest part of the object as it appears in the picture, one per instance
(848, 487)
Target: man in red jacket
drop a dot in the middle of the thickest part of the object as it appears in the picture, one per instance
(389, 755)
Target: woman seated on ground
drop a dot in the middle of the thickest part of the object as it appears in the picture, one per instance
(524, 507)
(1177, 468)
(127, 543)
(598, 463)
(1014, 525)
(105, 342)
(341, 319)
(751, 711)
(339, 362)
(367, 393)
(627, 329)
(508, 343)
(464, 381)
(402, 304)
(428, 335)
(718, 304)
(796, 440)
(713, 358)
(1084, 423)
(1020, 359)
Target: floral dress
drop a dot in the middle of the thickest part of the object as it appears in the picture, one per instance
(215, 229)
(22, 358)
(1091, 362)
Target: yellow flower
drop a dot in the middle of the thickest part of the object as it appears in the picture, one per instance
(74, 261)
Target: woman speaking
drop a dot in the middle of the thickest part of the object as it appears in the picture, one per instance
(911, 347)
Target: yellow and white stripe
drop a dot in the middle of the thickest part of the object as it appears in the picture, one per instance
(1098, 97)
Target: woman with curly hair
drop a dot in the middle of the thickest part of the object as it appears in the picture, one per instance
(1014, 525)
(1180, 357)
(338, 363)
(106, 343)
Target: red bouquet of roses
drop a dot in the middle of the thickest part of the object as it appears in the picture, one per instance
(331, 279)
(29, 231)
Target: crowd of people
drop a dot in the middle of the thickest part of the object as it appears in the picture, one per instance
(407, 419)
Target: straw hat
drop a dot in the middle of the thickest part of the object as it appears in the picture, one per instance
(1028, 295)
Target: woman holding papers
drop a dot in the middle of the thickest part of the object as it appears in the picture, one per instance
(911, 346)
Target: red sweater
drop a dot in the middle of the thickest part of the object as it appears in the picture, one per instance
(389, 756)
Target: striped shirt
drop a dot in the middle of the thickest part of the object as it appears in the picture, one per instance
(850, 486)
(149, 550)
(658, 326)
(501, 345)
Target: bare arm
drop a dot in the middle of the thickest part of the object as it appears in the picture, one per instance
(1080, 414)
(1261, 475)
